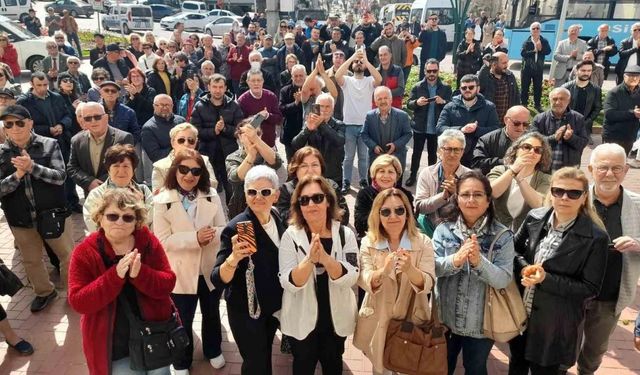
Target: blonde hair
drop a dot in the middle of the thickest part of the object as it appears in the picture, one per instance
(181, 127)
(384, 161)
(376, 231)
(122, 198)
(573, 173)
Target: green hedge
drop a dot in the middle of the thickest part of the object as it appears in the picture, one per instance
(86, 39)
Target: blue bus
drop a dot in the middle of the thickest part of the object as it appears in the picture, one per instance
(589, 14)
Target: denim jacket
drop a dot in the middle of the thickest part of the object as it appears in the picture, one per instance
(461, 291)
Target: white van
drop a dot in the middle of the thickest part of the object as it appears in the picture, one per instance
(396, 13)
(194, 7)
(421, 9)
(15, 9)
(128, 17)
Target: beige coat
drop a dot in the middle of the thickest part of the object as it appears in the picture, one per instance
(382, 305)
(178, 234)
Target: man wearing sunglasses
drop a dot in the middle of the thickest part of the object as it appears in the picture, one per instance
(86, 165)
(73, 64)
(534, 50)
(619, 209)
(433, 41)
(492, 147)
(32, 175)
(156, 141)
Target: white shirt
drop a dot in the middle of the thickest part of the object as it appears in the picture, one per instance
(515, 202)
(358, 96)
(272, 231)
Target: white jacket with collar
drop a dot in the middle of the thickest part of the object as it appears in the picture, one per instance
(299, 312)
(178, 234)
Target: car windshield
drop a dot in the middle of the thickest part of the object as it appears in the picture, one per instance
(17, 30)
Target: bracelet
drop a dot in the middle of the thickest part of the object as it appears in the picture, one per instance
(513, 173)
(226, 261)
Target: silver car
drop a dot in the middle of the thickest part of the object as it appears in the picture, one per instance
(220, 25)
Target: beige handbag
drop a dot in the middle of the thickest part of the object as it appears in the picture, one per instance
(504, 314)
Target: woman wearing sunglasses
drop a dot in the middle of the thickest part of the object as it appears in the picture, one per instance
(560, 263)
(461, 245)
(120, 161)
(98, 75)
(183, 136)
(69, 89)
(393, 245)
(122, 262)
(318, 269)
(248, 269)
(139, 95)
(253, 151)
(307, 161)
(520, 184)
(188, 220)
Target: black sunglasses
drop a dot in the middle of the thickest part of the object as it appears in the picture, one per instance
(93, 118)
(183, 169)
(72, 63)
(19, 123)
(127, 218)
(519, 123)
(467, 88)
(262, 192)
(528, 147)
(572, 194)
(386, 212)
(191, 141)
(432, 70)
(315, 198)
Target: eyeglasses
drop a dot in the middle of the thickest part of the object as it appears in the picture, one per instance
(472, 196)
(315, 198)
(93, 118)
(66, 80)
(572, 194)
(100, 78)
(181, 141)
(528, 147)
(127, 218)
(519, 123)
(603, 169)
(59, 38)
(535, 28)
(9, 124)
(109, 91)
(72, 63)
(634, 30)
(467, 88)
(398, 211)
(263, 192)
(432, 70)
(183, 169)
(452, 150)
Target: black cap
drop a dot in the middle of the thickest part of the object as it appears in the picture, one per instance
(6, 92)
(113, 47)
(632, 69)
(109, 83)
(16, 111)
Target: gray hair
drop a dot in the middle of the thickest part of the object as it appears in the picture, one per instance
(181, 127)
(161, 96)
(535, 24)
(574, 26)
(385, 47)
(382, 88)
(87, 105)
(252, 72)
(612, 148)
(79, 108)
(299, 67)
(451, 134)
(73, 58)
(261, 172)
(59, 33)
(560, 90)
(208, 62)
(255, 53)
(327, 96)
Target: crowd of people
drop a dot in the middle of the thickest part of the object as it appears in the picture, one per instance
(188, 199)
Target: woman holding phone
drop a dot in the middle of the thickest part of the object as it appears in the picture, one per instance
(247, 266)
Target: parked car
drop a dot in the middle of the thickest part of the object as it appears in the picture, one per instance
(171, 3)
(194, 7)
(31, 48)
(75, 8)
(191, 21)
(128, 17)
(15, 10)
(160, 11)
(220, 25)
(107, 4)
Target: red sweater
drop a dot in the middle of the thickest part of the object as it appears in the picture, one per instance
(93, 291)
(10, 58)
(237, 68)
(250, 106)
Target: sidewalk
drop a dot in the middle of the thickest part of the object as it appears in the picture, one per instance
(55, 333)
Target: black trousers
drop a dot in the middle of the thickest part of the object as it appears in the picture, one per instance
(529, 76)
(626, 144)
(518, 364)
(322, 345)
(419, 140)
(254, 338)
(211, 327)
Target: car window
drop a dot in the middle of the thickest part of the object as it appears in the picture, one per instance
(23, 2)
(223, 20)
(140, 12)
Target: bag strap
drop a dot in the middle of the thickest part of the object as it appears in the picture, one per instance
(341, 233)
(493, 243)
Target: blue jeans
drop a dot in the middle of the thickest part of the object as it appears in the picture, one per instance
(352, 142)
(121, 367)
(475, 353)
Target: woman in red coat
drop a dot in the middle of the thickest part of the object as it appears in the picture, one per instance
(9, 55)
(123, 258)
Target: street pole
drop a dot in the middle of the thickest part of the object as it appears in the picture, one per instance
(272, 16)
(559, 31)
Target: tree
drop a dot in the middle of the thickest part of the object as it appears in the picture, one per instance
(460, 9)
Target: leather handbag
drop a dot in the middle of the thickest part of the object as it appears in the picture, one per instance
(504, 314)
(50, 223)
(10, 284)
(416, 349)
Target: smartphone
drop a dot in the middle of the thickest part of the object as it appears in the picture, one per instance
(247, 234)
(432, 99)
(612, 247)
(257, 121)
(315, 109)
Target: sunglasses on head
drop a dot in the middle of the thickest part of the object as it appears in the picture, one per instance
(467, 88)
(315, 198)
(398, 211)
(528, 147)
(127, 218)
(19, 123)
(183, 169)
(181, 141)
(572, 194)
(93, 118)
(263, 192)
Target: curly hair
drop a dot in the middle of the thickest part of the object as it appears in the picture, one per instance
(123, 199)
(545, 157)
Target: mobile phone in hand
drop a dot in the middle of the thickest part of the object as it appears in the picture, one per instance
(247, 234)
(315, 109)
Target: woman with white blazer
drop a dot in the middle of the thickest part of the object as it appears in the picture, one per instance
(190, 218)
(318, 268)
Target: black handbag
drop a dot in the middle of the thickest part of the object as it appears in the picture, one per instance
(154, 345)
(50, 223)
(10, 284)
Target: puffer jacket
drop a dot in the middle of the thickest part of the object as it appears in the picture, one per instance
(205, 116)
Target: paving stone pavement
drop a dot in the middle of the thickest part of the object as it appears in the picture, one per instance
(55, 332)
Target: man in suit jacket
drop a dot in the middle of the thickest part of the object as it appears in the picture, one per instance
(54, 63)
(386, 129)
(568, 53)
(86, 165)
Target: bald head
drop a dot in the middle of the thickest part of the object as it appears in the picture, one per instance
(500, 63)
(516, 121)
